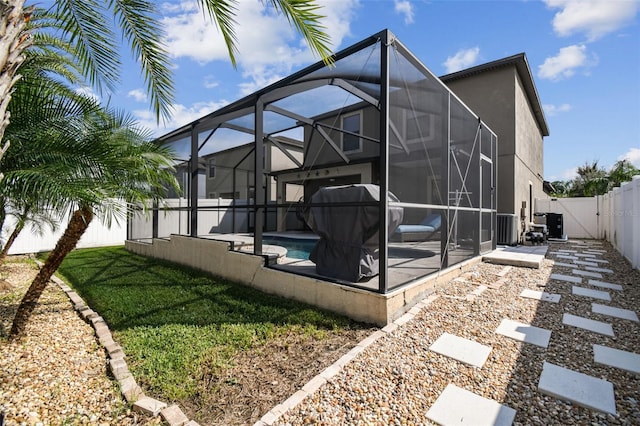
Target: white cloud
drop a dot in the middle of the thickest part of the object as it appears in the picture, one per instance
(259, 77)
(88, 91)
(569, 174)
(263, 36)
(404, 7)
(633, 155)
(180, 115)
(138, 95)
(210, 82)
(183, 6)
(566, 62)
(552, 110)
(462, 59)
(266, 41)
(595, 18)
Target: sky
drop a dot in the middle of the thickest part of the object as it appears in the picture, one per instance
(584, 56)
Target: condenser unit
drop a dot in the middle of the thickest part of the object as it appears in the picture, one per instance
(507, 229)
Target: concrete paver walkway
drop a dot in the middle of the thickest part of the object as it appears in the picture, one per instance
(558, 366)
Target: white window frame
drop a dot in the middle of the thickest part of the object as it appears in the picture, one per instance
(342, 135)
(429, 136)
(212, 163)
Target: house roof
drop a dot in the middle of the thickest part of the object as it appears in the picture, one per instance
(283, 140)
(522, 66)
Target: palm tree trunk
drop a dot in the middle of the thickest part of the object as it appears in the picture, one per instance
(13, 41)
(77, 226)
(10, 240)
(3, 212)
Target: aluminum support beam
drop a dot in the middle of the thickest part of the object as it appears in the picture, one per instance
(259, 200)
(194, 183)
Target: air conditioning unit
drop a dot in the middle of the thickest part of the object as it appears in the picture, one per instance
(507, 229)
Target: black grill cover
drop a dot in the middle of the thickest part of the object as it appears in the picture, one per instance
(348, 244)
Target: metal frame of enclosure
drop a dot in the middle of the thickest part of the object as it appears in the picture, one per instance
(417, 142)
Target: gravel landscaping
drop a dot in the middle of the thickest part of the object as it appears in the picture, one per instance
(397, 379)
(58, 373)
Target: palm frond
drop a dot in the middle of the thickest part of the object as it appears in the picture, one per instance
(222, 13)
(85, 26)
(136, 20)
(304, 16)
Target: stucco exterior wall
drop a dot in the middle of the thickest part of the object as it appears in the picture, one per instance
(320, 152)
(222, 184)
(499, 98)
(491, 96)
(529, 170)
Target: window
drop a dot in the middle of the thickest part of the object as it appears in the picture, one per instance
(418, 126)
(213, 195)
(212, 168)
(350, 141)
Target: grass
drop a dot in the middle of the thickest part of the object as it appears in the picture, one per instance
(175, 323)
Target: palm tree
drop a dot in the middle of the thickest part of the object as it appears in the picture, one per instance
(622, 171)
(13, 41)
(69, 155)
(40, 99)
(40, 218)
(113, 161)
(591, 180)
(86, 25)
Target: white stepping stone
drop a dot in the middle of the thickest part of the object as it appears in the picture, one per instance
(540, 295)
(582, 262)
(599, 260)
(605, 285)
(566, 256)
(595, 251)
(585, 255)
(457, 406)
(594, 269)
(566, 265)
(587, 273)
(628, 314)
(567, 250)
(588, 324)
(461, 349)
(567, 278)
(624, 360)
(587, 292)
(578, 388)
(524, 332)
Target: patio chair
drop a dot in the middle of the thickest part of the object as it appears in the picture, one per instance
(419, 232)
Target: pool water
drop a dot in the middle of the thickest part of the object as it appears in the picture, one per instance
(297, 248)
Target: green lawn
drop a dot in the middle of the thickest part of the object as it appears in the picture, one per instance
(174, 322)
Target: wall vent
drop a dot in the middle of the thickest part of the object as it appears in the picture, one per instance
(507, 229)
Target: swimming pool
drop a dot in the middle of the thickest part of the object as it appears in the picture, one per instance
(297, 248)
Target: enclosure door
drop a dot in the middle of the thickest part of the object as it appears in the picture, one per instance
(487, 188)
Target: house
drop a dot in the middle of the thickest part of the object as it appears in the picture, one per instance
(504, 95)
(382, 146)
(182, 172)
(229, 173)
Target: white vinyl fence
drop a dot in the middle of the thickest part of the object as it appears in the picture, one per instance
(614, 217)
(214, 216)
(96, 235)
